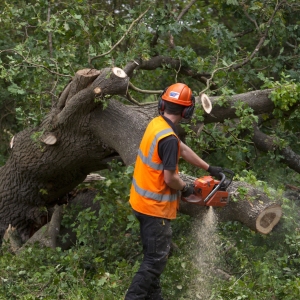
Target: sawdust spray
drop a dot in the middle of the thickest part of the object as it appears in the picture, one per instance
(206, 254)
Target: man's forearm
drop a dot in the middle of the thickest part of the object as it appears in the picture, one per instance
(173, 180)
(191, 157)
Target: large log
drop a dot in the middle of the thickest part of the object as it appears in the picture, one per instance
(246, 204)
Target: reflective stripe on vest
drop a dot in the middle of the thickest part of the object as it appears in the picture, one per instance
(154, 196)
(147, 159)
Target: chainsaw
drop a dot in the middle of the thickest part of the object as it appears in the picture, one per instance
(211, 192)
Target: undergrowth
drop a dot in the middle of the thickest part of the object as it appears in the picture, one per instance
(108, 252)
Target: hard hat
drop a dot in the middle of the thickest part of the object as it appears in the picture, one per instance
(178, 93)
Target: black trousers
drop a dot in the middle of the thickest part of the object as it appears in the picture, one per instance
(156, 235)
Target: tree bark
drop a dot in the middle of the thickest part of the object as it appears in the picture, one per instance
(36, 174)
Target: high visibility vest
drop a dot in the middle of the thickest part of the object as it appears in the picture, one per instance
(149, 193)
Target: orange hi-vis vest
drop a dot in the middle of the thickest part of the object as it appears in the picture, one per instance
(149, 193)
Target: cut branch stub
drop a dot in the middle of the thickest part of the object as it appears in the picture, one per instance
(93, 177)
(82, 79)
(119, 72)
(49, 139)
(206, 103)
(97, 90)
(11, 143)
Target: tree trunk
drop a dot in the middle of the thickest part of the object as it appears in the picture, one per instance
(252, 207)
(37, 174)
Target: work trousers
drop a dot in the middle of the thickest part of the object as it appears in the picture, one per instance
(156, 235)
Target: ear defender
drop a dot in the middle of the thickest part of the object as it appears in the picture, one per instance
(187, 113)
(161, 102)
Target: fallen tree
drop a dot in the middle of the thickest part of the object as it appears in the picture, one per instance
(246, 204)
(85, 128)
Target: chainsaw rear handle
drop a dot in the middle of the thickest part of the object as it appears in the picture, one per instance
(228, 171)
(216, 188)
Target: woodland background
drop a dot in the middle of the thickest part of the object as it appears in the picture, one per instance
(222, 48)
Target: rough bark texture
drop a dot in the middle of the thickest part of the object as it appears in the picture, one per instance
(36, 175)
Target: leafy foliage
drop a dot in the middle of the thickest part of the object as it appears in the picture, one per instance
(264, 266)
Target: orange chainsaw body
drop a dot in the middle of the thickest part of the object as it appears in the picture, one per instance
(203, 187)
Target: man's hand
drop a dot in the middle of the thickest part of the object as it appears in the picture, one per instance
(187, 190)
(215, 171)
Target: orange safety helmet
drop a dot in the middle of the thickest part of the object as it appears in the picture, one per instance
(178, 93)
(181, 94)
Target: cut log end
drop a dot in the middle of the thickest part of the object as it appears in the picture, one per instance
(268, 218)
(49, 139)
(119, 72)
(97, 90)
(206, 103)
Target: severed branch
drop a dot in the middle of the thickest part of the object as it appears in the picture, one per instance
(267, 143)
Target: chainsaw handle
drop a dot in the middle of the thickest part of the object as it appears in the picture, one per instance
(217, 187)
(231, 173)
(228, 171)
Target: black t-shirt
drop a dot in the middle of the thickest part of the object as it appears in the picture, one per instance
(168, 149)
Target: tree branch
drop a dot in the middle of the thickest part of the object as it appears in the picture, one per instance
(182, 13)
(267, 143)
(123, 37)
(263, 37)
(160, 61)
(34, 64)
(185, 10)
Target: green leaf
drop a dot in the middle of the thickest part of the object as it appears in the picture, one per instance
(16, 90)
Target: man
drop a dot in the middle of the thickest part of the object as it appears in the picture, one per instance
(154, 193)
